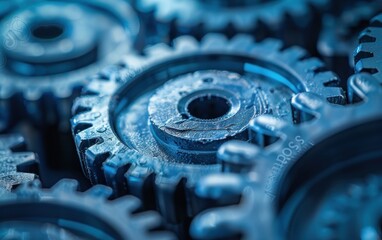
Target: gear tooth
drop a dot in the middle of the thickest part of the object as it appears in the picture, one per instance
(268, 45)
(20, 159)
(214, 224)
(308, 105)
(140, 182)
(294, 54)
(311, 65)
(241, 42)
(366, 65)
(237, 156)
(33, 94)
(16, 178)
(99, 191)
(361, 86)
(366, 37)
(11, 141)
(101, 88)
(84, 104)
(114, 169)
(82, 119)
(86, 138)
(158, 51)
(214, 41)
(65, 185)
(224, 188)
(376, 22)
(186, 43)
(266, 129)
(126, 204)
(149, 219)
(364, 51)
(95, 156)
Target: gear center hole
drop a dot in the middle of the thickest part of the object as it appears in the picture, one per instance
(47, 31)
(208, 107)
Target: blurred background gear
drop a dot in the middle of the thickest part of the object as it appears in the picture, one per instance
(284, 19)
(318, 178)
(368, 55)
(63, 213)
(338, 37)
(48, 50)
(152, 125)
(16, 166)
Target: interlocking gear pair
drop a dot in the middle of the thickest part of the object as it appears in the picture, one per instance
(141, 126)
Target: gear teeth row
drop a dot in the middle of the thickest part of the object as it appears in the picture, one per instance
(173, 19)
(120, 215)
(16, 167)
(368, 55)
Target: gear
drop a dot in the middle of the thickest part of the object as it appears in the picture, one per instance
(338, 37)
(62, 211)
(348, 209)
(261, 18)
(178, 105)
(368, 54)
(329, 138)
(15, 167)
(46, 59)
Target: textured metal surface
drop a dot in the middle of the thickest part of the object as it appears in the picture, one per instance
(62, 212)
(16, 167)
(119, 129)
(329, 140)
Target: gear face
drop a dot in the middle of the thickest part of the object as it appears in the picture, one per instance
(368, 55)
(262, 18)
(147, 135)
(15, 167)
(334, 146)
(338, 37)
(62, 212)
(46, 58)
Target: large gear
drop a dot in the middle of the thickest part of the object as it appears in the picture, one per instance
(338, 37)
(261, 18)
(141, 127)
(15, 167)
(368, 55)
(61, 212)
(329, 138)
(45, 59)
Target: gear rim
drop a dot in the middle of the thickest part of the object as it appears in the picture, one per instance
(106, 157)
(114, 220)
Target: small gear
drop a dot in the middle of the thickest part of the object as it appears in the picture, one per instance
(259, 18)
(46, 59)
(338, 37)
(329, 138)
(368, 55)
(152, 125)
(15, 167)
(61, 212)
